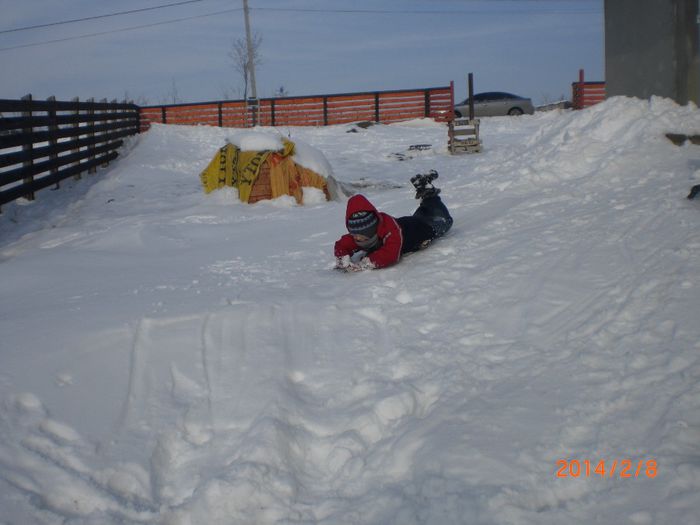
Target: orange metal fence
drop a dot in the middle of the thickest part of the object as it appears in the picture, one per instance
(316, 110)
(585, 94)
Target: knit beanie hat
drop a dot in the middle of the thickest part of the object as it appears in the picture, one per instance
(363, 223)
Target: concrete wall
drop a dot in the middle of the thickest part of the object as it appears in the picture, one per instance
(652, 48)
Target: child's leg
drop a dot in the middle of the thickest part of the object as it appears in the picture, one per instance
(433, 211)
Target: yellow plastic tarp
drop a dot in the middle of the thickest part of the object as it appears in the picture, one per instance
(288, 178)
(240, 169)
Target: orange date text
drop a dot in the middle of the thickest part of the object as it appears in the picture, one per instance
(616, 468)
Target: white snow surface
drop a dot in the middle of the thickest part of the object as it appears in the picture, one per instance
(179, 358)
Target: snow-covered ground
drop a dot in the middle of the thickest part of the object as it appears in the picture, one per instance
(174, 357)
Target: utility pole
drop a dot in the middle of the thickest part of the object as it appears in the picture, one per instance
(251, 61)
(249, 41)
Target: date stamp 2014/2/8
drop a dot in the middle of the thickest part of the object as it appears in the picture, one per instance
(617, 468)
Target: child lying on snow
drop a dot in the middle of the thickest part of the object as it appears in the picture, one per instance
(377, 240)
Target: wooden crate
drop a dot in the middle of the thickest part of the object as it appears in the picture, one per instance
(463, 136)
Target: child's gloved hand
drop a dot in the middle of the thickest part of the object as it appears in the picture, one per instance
(363, 264)
(366, 264)
(345, 263)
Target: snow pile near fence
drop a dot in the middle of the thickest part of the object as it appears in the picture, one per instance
(175, 357)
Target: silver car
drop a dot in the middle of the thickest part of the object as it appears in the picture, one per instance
(495, 104)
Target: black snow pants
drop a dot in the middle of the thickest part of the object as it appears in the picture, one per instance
(430, 221)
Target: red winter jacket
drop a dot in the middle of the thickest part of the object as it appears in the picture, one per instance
(388, 231)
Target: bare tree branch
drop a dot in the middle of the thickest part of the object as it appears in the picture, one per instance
(239, 58)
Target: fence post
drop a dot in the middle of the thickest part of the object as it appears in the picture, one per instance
(28, 146)
(107, 121)
(102, 122)
(376, 107)
(53, 139)
(426, 103)
(252, 105)
(272, 112)
(162, 115)
(91, 134)
(470, 82)
(325, 111)
(221, 114)
(138, 119)
(76, 135)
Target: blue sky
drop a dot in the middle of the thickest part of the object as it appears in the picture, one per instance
(533, 48)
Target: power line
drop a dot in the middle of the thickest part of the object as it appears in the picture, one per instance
(422, 11)
(144, 26)
(275, 9)
(265, 9)
(96, 17)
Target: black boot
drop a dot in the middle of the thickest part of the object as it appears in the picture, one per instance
(422, 179)
(423, 182)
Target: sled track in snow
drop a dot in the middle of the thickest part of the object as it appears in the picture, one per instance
(310, 426)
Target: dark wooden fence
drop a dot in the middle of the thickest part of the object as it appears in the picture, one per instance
(314, 110)
(45, 142)
(585, 94)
